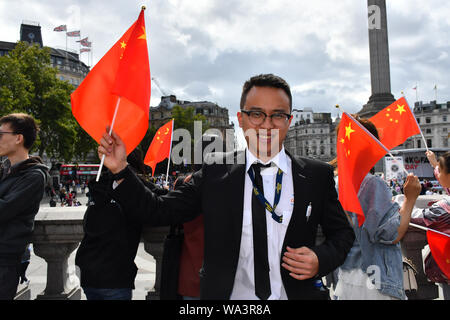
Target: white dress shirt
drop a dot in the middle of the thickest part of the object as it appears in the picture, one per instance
(244, 282)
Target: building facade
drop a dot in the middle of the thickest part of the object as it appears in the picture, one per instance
(304, 116)
(216, 116)
(434, 121)
(70, 67)
(315, 138)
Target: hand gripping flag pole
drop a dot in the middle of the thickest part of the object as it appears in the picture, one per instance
(110, 131)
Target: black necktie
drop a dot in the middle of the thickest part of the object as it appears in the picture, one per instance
(260, 259)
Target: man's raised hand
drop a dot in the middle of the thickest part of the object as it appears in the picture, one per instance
(114, 150)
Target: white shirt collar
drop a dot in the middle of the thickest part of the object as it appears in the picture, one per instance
(280, 160)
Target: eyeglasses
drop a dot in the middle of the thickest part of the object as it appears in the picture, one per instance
(3, 132)
(258, 117)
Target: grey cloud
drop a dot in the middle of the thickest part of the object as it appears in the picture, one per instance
(418, 43)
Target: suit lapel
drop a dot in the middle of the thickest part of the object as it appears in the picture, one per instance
(302, 183)
(235, 188)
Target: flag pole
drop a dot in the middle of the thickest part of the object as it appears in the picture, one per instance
(426, 229)
(417, 92)
(420, 129)
(110, 131)
(170, 151)
(66, 51)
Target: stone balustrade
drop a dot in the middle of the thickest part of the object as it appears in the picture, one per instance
(58, 232)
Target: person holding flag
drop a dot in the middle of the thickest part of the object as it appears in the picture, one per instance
(373, 268)
(436, 167)
(261, 210)
(437, 217)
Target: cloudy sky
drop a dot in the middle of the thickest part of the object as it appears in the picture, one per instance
(206, 49)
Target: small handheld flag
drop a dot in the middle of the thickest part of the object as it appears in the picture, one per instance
(121, 77)
(160, 147)
(395, 123)
(357, 152)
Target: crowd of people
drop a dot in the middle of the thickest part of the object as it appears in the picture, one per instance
(427, 187)
(250, 227)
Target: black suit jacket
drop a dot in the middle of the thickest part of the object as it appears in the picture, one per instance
(217, 191)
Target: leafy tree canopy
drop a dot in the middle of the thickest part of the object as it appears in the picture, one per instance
(29, 84)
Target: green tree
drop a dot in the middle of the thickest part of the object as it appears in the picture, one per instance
(28, 83)
(14, 86)
(185, 118)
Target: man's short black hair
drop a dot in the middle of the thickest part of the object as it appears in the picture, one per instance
(23, 124)
(265, 80)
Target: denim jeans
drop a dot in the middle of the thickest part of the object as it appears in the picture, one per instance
(108, 294)
(9, 280)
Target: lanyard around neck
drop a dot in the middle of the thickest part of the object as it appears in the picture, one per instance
(263, 200)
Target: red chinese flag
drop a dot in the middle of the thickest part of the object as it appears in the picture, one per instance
(395, 123)
(123, 71)
(160, 147)
(357, 152)
(440, 250)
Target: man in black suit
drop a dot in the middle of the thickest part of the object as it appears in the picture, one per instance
(255, 247)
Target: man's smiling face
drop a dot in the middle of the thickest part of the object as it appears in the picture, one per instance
(265, 139)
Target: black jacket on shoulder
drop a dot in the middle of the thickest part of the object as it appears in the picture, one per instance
(111, 239)
(21, 191)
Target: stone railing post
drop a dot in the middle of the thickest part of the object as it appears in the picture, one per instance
(57, 234)
(153, 238)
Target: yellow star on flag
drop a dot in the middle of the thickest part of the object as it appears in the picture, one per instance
(400, 109)
(348, 131)
(123, 44)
